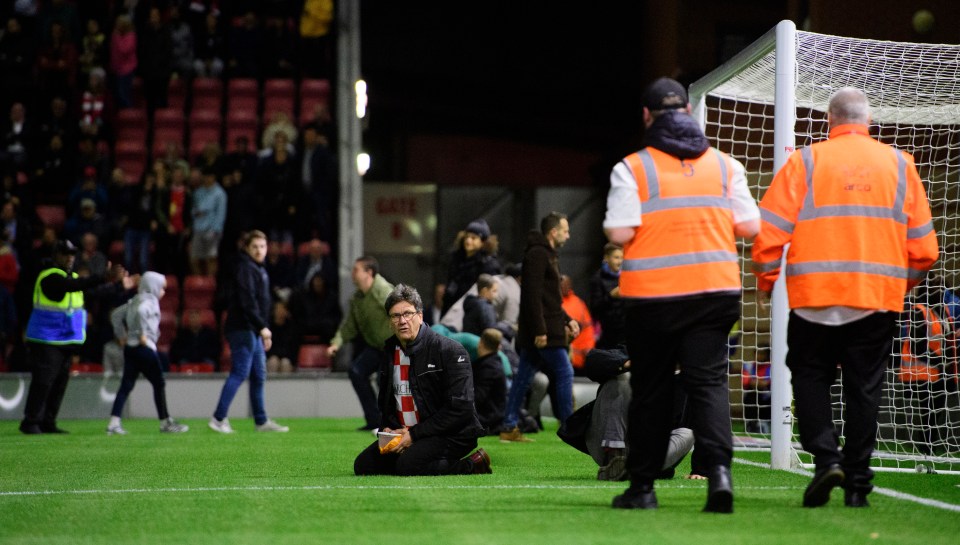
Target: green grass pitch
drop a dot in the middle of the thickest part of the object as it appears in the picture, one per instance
(299, 487)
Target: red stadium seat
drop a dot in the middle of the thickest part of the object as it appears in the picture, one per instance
(198, 292)
(207, 88)
(200, 137)
(131, 118)
(176, 94)
(207, 317)
(86, 367)
(312, 93)
(205, 119)
(168, 325)
(163, 137)
(168, 118)
(314, 356)
(51, 215)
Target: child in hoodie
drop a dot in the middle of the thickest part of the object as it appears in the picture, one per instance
(136, 324)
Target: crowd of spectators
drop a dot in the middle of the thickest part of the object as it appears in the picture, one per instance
(70, 67)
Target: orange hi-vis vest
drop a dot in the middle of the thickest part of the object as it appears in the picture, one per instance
(914, 368)
(685, 245)
(856, 216)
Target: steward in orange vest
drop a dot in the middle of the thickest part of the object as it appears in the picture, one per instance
(676, 206)
(858, 225)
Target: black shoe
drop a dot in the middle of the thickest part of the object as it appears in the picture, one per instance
(30, 429)
(480, 462)
(855, 498)
(366, 427)
(643, 497)
(719, 491)
(52, 429)
(818, 491)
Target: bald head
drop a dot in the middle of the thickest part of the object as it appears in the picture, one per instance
(848, 105)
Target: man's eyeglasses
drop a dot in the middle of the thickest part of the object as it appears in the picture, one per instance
(403, 316)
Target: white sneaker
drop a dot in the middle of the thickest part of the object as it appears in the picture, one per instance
(116, 429)
(172, 426)
(270, 425)
(220, 426)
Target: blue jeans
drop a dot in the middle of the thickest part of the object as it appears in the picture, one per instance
(366, 363)
(249, 361)
(555, 363)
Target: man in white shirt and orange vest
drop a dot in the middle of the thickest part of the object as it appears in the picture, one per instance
(676, 206)
(857, 220)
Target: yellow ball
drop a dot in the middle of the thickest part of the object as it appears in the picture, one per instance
(923, 21)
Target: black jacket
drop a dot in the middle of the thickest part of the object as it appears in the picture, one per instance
(463, 273)
(249, 308)
(490, 391)
(478, 314)
(541, 305)
(441, 379)
(606, 309)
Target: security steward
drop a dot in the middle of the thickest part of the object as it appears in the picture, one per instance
(676, 206)
(855, 215)
(55, 330)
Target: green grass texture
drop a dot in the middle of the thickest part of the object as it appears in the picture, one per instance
(298, 487)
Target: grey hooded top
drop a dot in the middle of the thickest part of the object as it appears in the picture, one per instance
(140, 316)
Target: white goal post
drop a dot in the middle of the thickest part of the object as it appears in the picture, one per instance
(771, 99)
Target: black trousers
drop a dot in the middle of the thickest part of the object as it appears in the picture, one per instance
(862, 350)
(690, 334)
(426, 456)
(136, 360)
(50, 370)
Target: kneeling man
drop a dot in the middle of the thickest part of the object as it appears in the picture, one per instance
(426, 398)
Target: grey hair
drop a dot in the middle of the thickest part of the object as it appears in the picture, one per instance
(400, 293)
(849, 105)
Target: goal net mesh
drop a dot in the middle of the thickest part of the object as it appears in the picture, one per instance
(914, 90)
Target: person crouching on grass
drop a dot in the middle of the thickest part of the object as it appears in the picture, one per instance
(136, 325)
(426, 399)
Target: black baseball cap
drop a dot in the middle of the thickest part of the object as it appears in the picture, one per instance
(65, 247)
(665, 94)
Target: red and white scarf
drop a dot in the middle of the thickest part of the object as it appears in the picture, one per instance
(406, 407)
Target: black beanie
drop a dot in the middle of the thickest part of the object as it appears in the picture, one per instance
(479, 227)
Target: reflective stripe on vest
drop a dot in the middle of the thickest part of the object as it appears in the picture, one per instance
(685, 245)
(810, 211)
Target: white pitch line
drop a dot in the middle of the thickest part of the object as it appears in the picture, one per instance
(879, 490)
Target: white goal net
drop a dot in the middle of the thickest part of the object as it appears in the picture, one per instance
(772, 98)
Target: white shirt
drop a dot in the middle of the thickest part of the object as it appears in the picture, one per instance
(623, 201)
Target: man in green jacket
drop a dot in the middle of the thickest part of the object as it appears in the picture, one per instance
(368, 319)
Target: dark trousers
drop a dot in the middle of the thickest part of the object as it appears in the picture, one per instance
(365, 363)
(50, 370)
(862, 350)
(692, 334)
(136, 360)
(426, 456)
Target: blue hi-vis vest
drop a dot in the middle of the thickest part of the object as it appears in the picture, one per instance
(57, 322)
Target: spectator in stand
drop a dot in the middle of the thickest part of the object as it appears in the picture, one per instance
(576, 308)
(195, 342)
(242, 209)
(211, 156)
(319, 178)
(123, 60)
(17, 56)
(367, 323)
(605, 304)
(241, 158)
(19, 137)
(63, 12)
(54, 171)
(90, 155)
(209, 211)
(316, 261)
(209, 49)
(57, 61)
(156, 60)
(468, 261)
(279, 123)
(316, 310)
(17, 228)
(245, 44)
(61, 122)
(93, 53)
(87, 188)
(174, 216)
(87, 220)
(278, 191)
(755, 377)
(181, 44)
(478, 312)
(280, 269)
(94, 103)
(316, 44)
(9, 265)
(90, 257)
(282, 356)
(140, 222)
(489, 382)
